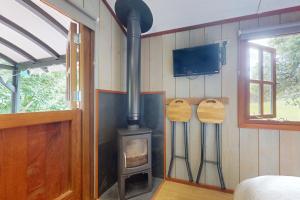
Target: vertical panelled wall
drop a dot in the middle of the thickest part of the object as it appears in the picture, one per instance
(245, 152)
(111, 42)
(110, 46)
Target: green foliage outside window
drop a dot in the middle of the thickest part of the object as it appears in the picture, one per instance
(43, 92)
(39, 92)
(5, 94)
(287, 77)
(288, 68)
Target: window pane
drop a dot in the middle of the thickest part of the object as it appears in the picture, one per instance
(254, 64)
(254, 99)
(268, 109)
(267, 66)
(42, 91)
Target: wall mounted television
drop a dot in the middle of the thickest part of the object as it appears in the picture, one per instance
(198, 60)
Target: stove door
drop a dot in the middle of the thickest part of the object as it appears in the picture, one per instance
(135, 153)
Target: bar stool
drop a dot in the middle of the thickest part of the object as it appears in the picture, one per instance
(179, 110)
(211, 111)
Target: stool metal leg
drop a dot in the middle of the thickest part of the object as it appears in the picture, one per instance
(203, 142)
(173, 126)
(186, 151)
(219, 162)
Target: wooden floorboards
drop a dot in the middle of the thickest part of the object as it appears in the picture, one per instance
(176, 191)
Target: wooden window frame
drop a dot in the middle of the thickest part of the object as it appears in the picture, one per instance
(244, 119)
(261, 49)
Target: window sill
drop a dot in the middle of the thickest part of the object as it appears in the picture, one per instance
(270, 124)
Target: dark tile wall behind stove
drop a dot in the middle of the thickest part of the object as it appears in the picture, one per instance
(152, 109)
(112, 115)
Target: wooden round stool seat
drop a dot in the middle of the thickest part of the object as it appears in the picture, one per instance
(211, 111)
(179, 110)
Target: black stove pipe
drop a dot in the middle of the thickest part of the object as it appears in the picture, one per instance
(136, 16)
(133, 67)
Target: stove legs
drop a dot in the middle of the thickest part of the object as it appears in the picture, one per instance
(122, 185)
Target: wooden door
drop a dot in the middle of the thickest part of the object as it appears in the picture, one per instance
(50, 155)
(40, 156)
(80, 77)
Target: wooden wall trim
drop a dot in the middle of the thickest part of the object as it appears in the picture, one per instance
(197, 26)
(96, 148)
(197, 100)
(29, 119)
(98, 91)
(86, 85)
(273, 125)
(122, 92)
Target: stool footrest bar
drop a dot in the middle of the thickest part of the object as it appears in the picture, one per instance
(211, 162)
(181, 157)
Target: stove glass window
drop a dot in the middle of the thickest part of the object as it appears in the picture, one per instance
(136, 153)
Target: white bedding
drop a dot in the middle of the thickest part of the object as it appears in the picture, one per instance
(269, 188)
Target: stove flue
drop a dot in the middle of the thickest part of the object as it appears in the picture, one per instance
(134, 143)
(136, 16)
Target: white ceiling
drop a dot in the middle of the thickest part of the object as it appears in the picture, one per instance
(171, 14)
(22, 16)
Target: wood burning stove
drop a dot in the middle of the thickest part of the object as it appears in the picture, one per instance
(134, 157)
(135, 142)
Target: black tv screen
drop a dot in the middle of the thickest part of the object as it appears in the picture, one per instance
(197, 60)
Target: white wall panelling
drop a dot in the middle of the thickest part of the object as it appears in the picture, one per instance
(245, 152)
(196, 89)
(230, 130)
(268, 152)
(112, 53)
(181, 90)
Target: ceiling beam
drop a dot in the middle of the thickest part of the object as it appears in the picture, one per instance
(73, 12)
(8, 67)
(44, 15)
(7, 85)
(17, 49)
(42, 63)
(8, 59)
(28, 35)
